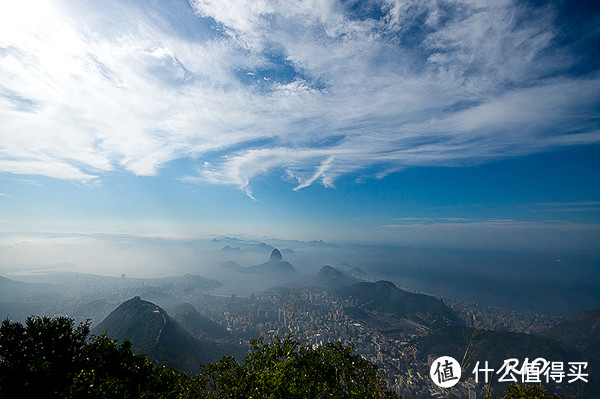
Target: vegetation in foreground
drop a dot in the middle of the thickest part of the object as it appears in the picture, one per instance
(53, 358)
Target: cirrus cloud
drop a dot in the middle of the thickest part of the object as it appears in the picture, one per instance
(315, 88)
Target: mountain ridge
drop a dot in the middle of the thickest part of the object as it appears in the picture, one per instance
(385, 297)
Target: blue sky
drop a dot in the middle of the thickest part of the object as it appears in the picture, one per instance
(448, 123)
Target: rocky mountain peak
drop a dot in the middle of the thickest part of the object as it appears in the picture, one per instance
(275, 256)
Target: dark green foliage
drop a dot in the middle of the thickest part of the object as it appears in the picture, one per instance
(51, 358)
(111, 371)
(40, 358)
(285, 369)
(527, 392)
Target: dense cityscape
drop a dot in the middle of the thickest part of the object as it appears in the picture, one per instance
(318, 317)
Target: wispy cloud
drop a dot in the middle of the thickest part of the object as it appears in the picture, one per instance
(434, 220)
(314, 89)
(460, 223)
(576, 206)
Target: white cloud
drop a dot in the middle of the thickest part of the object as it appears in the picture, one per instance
(319, 173)
(92, 89)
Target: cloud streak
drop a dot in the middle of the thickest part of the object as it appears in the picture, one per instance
(316, 89)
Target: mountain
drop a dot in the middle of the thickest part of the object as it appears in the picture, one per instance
(231, 265)
(275, 256)
(158, 297)
(4, 281)
(385, 297)
(153, 332)
(78, 284)
(11, 289)
(359, 273)
(262, 247)
(276, 268)
(19, 299)
(189, 284)
(322, 244)
(232, 250)
(97, 310)
(494, 346)
(353, 271)
(581, 331)
(197, 325)
(330, 277)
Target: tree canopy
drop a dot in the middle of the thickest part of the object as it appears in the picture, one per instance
(516, 391)
(284, 368)
(53, 358)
